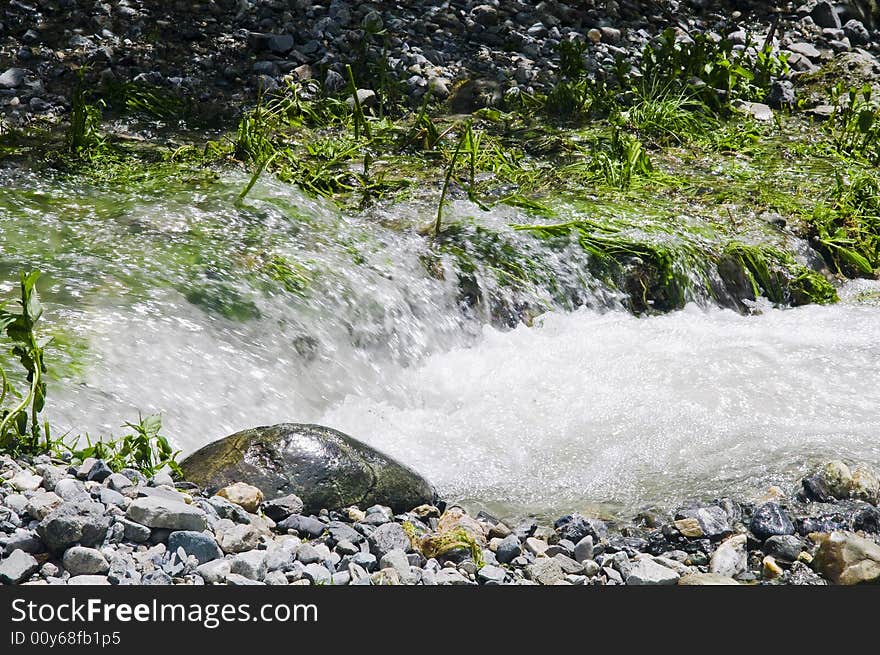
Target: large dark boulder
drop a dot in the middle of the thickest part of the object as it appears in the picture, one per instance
(324, 467)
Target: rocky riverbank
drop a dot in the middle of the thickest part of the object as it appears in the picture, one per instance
(85, 525)
(218, 54)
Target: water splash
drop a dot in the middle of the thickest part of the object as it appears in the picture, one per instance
(594, 408)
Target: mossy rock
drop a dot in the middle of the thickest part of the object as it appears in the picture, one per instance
(324, 467)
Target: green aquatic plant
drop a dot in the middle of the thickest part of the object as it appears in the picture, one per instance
(253, 140)
(854, 125)
(665, 271)
(143, 448)
(776, 275)
(571, 57)
(654, 273)
(668, 119)
(622, 159)
(360, 120)
(83, 131)
(466, 144)
(568, 100)
(294, 278)
(847, 230)
(145, 99)
(712, 70)
(20, 427)
(443, 543)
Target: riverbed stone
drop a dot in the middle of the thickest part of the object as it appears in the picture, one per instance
(216, 571)
(508, 549)
(118, 482)
(491, 575)
(536, 546)
(317, 574)
(838, 478)
(156, 512)
(92, 580)
(710, 521)
(244, 495)
(41, 504)
(568, 565)
(573, 527)
(20, 539)
(12, 78)
(814, 488)
(730, 558)
(26, 481)
(451, 577)
(71, 490)
(79, 560)
(847, 559)
(367, 561)
(308, 554)
(648, 572)
(110, 497)
(455, 519)
(866, 519)
(824, 14)
(706, 579)
(251, 564)
(865, 484)
(134, 532)
(16, 502)
(99, 471)
(280, 508)
(388, 537)
(545, 571)
(236, 537)
(238, 580)
(81, 522)
(397, 560)
(342, 532)
(17, 567)
(276, 578)
(201, 545)
(785, 548)
(324, 467)
(583, 550)
(308, 526)
(757, 110)
(770, 519)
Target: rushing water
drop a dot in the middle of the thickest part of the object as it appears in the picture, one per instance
(592, 408)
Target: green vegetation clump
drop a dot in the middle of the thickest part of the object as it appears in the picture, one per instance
(83, 133)
(664, 271)
(445, 543)
(854, 124)
(775, 275)
(847, 229)
(143, 448)
(20, 427)
(710, 70)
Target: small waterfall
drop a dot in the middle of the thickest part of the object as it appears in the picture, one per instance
(508, 371)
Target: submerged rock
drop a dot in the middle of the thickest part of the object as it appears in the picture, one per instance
(325, 468)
